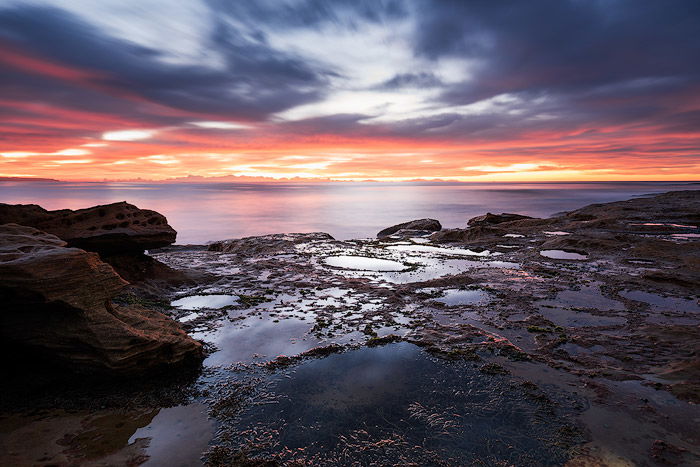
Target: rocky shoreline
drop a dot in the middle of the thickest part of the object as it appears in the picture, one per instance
(588, 320)
(57, 286)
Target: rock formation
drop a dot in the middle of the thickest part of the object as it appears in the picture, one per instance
(419, 226)
(111, 228)
(644, 229)
(267, 244)
(492, 219)
(119, 232)
(57, 309)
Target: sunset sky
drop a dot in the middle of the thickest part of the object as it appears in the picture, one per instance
(350, 89)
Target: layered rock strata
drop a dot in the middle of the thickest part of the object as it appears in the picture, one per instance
(57, 309)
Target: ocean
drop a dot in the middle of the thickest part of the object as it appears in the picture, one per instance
(203, 212)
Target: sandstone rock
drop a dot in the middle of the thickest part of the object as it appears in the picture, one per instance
(111, 228)
(428, 225)
(680, 207)
(57, 309)
(492, 219)
(119, 232)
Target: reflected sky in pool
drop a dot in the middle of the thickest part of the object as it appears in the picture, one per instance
(394, 404)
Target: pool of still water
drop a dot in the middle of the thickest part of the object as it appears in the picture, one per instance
(398, 404)
(198, 302)
(364, 263)
(563, 254)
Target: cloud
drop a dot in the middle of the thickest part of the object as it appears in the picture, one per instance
(220, 125)
(412, 80)
(255, 80)
(128, 135)
(559, 45)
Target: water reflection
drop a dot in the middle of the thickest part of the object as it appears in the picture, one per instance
(454, 297)
(58, 437)
(204, 212)
(197, 302)
(562, 254)
(363, 263)
(177, 436)
(438, 250)
(393, 405)
(258, 337)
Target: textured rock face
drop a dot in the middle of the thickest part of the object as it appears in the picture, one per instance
(492, 219)
(467, 235)
(57, 308)
(428, 225)
(119, 232)
(37, 264)
(111, 228)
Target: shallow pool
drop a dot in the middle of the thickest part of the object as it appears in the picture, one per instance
(563, 254)
(395, 404)
(364, 263)
(197, 302)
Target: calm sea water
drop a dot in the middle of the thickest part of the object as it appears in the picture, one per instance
(215, 211)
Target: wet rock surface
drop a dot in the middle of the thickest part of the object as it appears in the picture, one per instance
(58, 312)
(269, 244)
(314, 356)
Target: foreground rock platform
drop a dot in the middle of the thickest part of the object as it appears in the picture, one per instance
(585, 326)
(610, 316)
(58, 311)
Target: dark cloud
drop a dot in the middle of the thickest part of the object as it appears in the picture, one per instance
(257, 80)
(311, 13)
(412, 80)
(560, 45)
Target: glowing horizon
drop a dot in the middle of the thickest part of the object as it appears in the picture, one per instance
(393, 91)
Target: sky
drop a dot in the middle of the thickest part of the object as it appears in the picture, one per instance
(350, 89)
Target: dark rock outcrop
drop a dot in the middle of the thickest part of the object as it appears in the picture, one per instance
(644, 229)
(108, 229)
(57, 310)
(119, 232)
(492, 219)
(424, 225)
(473, 234)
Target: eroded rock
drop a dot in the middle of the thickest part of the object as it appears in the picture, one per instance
(426, 225)
(646, 229)
(57, 310)
(110, 228)
(119, 232)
